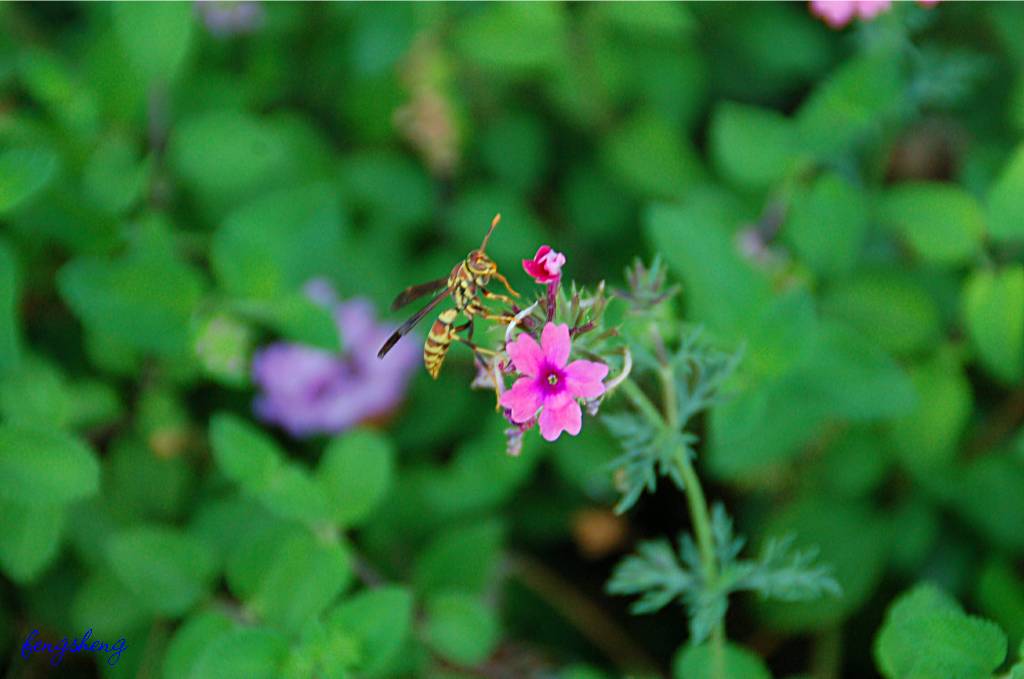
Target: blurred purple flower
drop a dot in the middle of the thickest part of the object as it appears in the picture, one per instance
(225, 18)
(312, 391)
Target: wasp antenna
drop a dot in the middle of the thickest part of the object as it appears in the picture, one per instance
(494, 223)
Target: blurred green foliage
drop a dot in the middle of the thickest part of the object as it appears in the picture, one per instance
(845, 207)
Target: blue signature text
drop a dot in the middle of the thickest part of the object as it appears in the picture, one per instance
(33, 645)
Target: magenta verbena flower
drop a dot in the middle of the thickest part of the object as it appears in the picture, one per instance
(838, 13)
(549, 383)
(309, 391)
(546, 265)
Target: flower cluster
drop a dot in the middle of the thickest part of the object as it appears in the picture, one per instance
(550, 388)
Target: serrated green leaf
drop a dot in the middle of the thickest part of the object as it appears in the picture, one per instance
(356, 474)
(167, 570)
(40, 467)
(927, 636)
(993, 303)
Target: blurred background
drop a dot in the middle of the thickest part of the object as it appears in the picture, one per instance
(206, 208)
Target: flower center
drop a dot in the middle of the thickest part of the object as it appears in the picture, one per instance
(552, 379)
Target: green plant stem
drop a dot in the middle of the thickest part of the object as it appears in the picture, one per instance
(695, 499)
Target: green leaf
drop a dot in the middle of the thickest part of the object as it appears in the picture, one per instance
(197, 633)
(227, 153)
(722, 290)
(168, 570)
(986, 494)
(115, 176)
(29, 538)
(514, 40)
(886, 306)
(827, 225)
(855, 100)
(1006, 200)
(994, 314)
(301, 579)
(24, 173)
(155, 37)
(753, 147)
(118, 297)
(927, 636)
(929, 436)
(702, 662)
(460, 628)
(91, 607)
(242, 653)
(1000, 595)
(651, 157)
(942, 223)
(35, 395)
(849, 537)
(463, 558)
(45, 467)
(296, 317)
(10, 323)
(279, 241)
(293, 493)
(243, 453)
(381, 620)
(356, 473)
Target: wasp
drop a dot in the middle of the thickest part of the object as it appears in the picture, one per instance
(466, 284)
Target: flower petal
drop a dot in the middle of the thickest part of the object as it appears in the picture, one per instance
(556, 344)
(526, 354)
(523, 399)
(583, 378)
(553, 421)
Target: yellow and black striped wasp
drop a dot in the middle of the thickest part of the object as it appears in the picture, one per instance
(467, 286)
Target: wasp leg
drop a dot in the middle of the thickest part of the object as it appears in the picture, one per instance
(497, 296)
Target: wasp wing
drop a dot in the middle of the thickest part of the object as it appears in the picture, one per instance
(414, 292)
(408, 325)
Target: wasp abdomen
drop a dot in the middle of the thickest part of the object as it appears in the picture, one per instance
(442, 332)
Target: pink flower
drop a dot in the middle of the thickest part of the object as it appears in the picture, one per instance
(546, 265)
(838, 13)
(549, 384)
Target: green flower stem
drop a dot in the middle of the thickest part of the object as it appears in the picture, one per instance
(694, 492)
